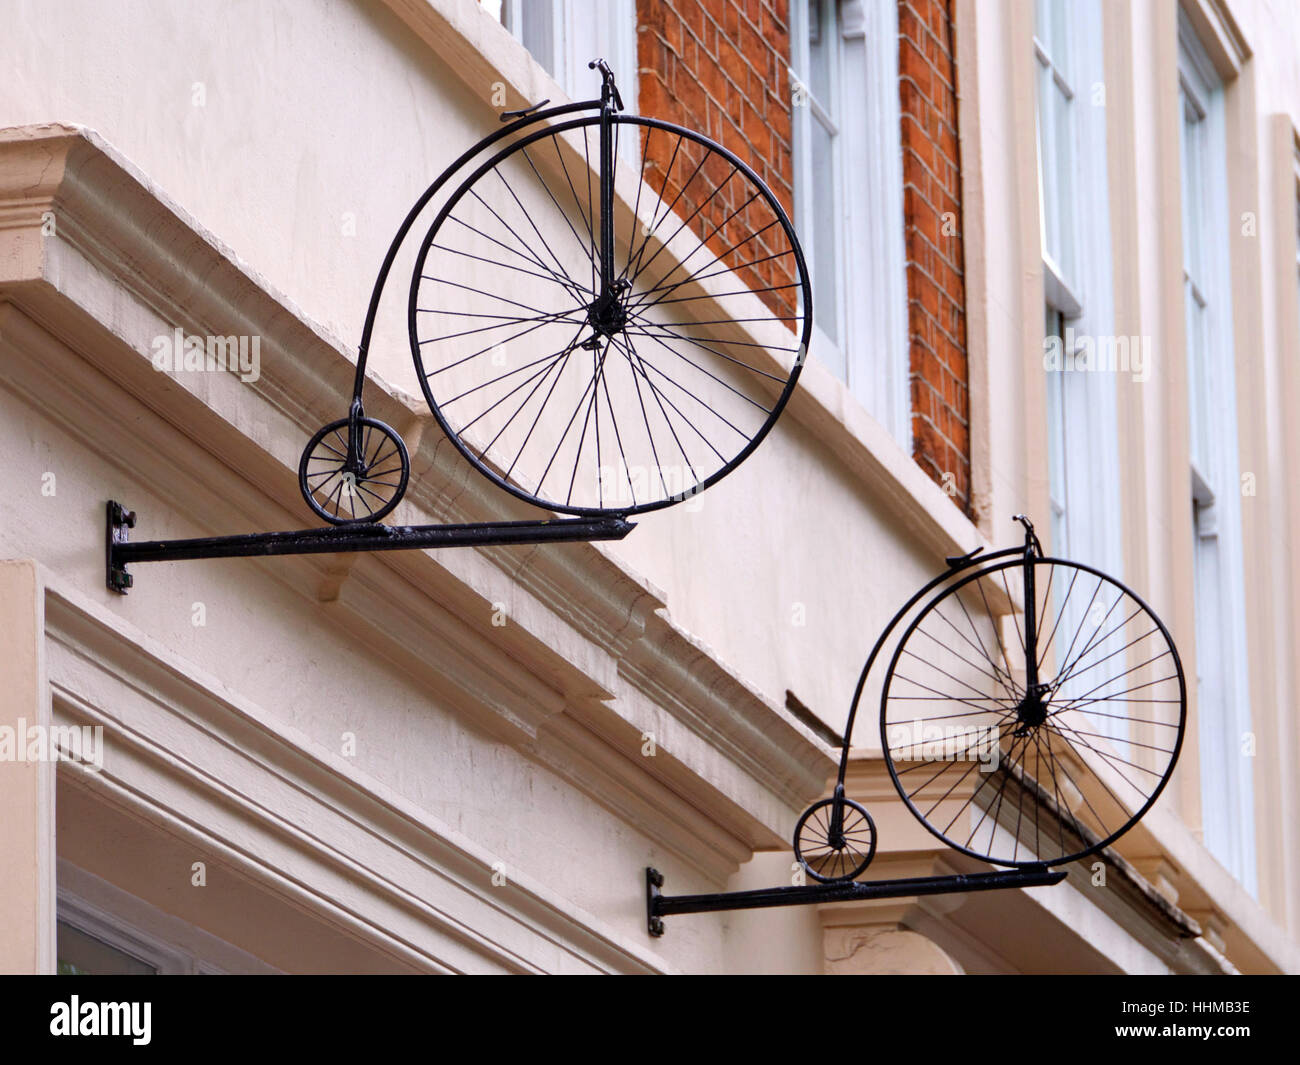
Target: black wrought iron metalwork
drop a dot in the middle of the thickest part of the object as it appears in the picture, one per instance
(659, 906)
(121, 552)
(835, 839)
(622, 401)
(657, 394)
(1047, 742)
(1070, 723)
(354, 470)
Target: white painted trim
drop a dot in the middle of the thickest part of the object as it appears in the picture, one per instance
(1224, 46)
(1221, 652)
(307, 823)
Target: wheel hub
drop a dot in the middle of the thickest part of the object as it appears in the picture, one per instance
(1032, 710)
(606, 314)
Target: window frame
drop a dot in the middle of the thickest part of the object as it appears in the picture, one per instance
(128, 923)
(1082, 406)
(873, 351)
(563, 55)
(1223, 690)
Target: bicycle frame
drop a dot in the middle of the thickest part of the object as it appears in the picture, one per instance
(608, 102)
(1031, 549)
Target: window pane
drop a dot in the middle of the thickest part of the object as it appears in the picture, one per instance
(537, 33)
(81, 954)
(825, 216)
(821, 41)
(1198, 357)
(1057, 134)
(1058, 489)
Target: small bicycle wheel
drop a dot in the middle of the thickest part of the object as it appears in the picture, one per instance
(620, 396)
(831, 852)
(352, 482)
(1033, 711)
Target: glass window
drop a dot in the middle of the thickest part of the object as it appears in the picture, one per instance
(1080, 350)
(817, 147)
(565, 35)
(1222, 691)
(848, 196)
(81, 954)
(1082, 355)
(1057, 136)
(1059, 489)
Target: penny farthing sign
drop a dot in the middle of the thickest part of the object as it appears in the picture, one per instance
(663, 310)
(1031, 709)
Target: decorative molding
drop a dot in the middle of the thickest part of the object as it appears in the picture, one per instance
(1218, 31)
(182, 751)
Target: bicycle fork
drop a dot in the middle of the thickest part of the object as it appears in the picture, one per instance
(1032, 711)
(606, 313)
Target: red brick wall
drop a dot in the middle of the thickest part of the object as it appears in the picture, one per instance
(720, 67)
(932, 214)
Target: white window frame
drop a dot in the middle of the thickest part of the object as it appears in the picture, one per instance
(1082, 407)
(565, 35)
(1078, 283)
(1223, 691)
(869, 286)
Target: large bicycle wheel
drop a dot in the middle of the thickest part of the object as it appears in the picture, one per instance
(590, 398)
(1033, 711)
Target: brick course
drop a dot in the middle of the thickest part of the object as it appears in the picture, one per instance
(936, 289)
(720, 67)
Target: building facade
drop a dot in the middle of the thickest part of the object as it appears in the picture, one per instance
(1055, 257)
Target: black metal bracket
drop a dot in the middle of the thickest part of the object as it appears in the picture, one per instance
(121, 552)
(658, 906)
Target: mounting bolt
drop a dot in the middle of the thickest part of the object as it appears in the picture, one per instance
(654, 880)
(119, 521)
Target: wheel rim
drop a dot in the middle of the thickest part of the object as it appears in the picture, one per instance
(362, 488)
(1019, 776)
(592, 404)
(829, 855)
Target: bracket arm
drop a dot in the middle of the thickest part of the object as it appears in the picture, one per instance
(659, 906)
(121, 551)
